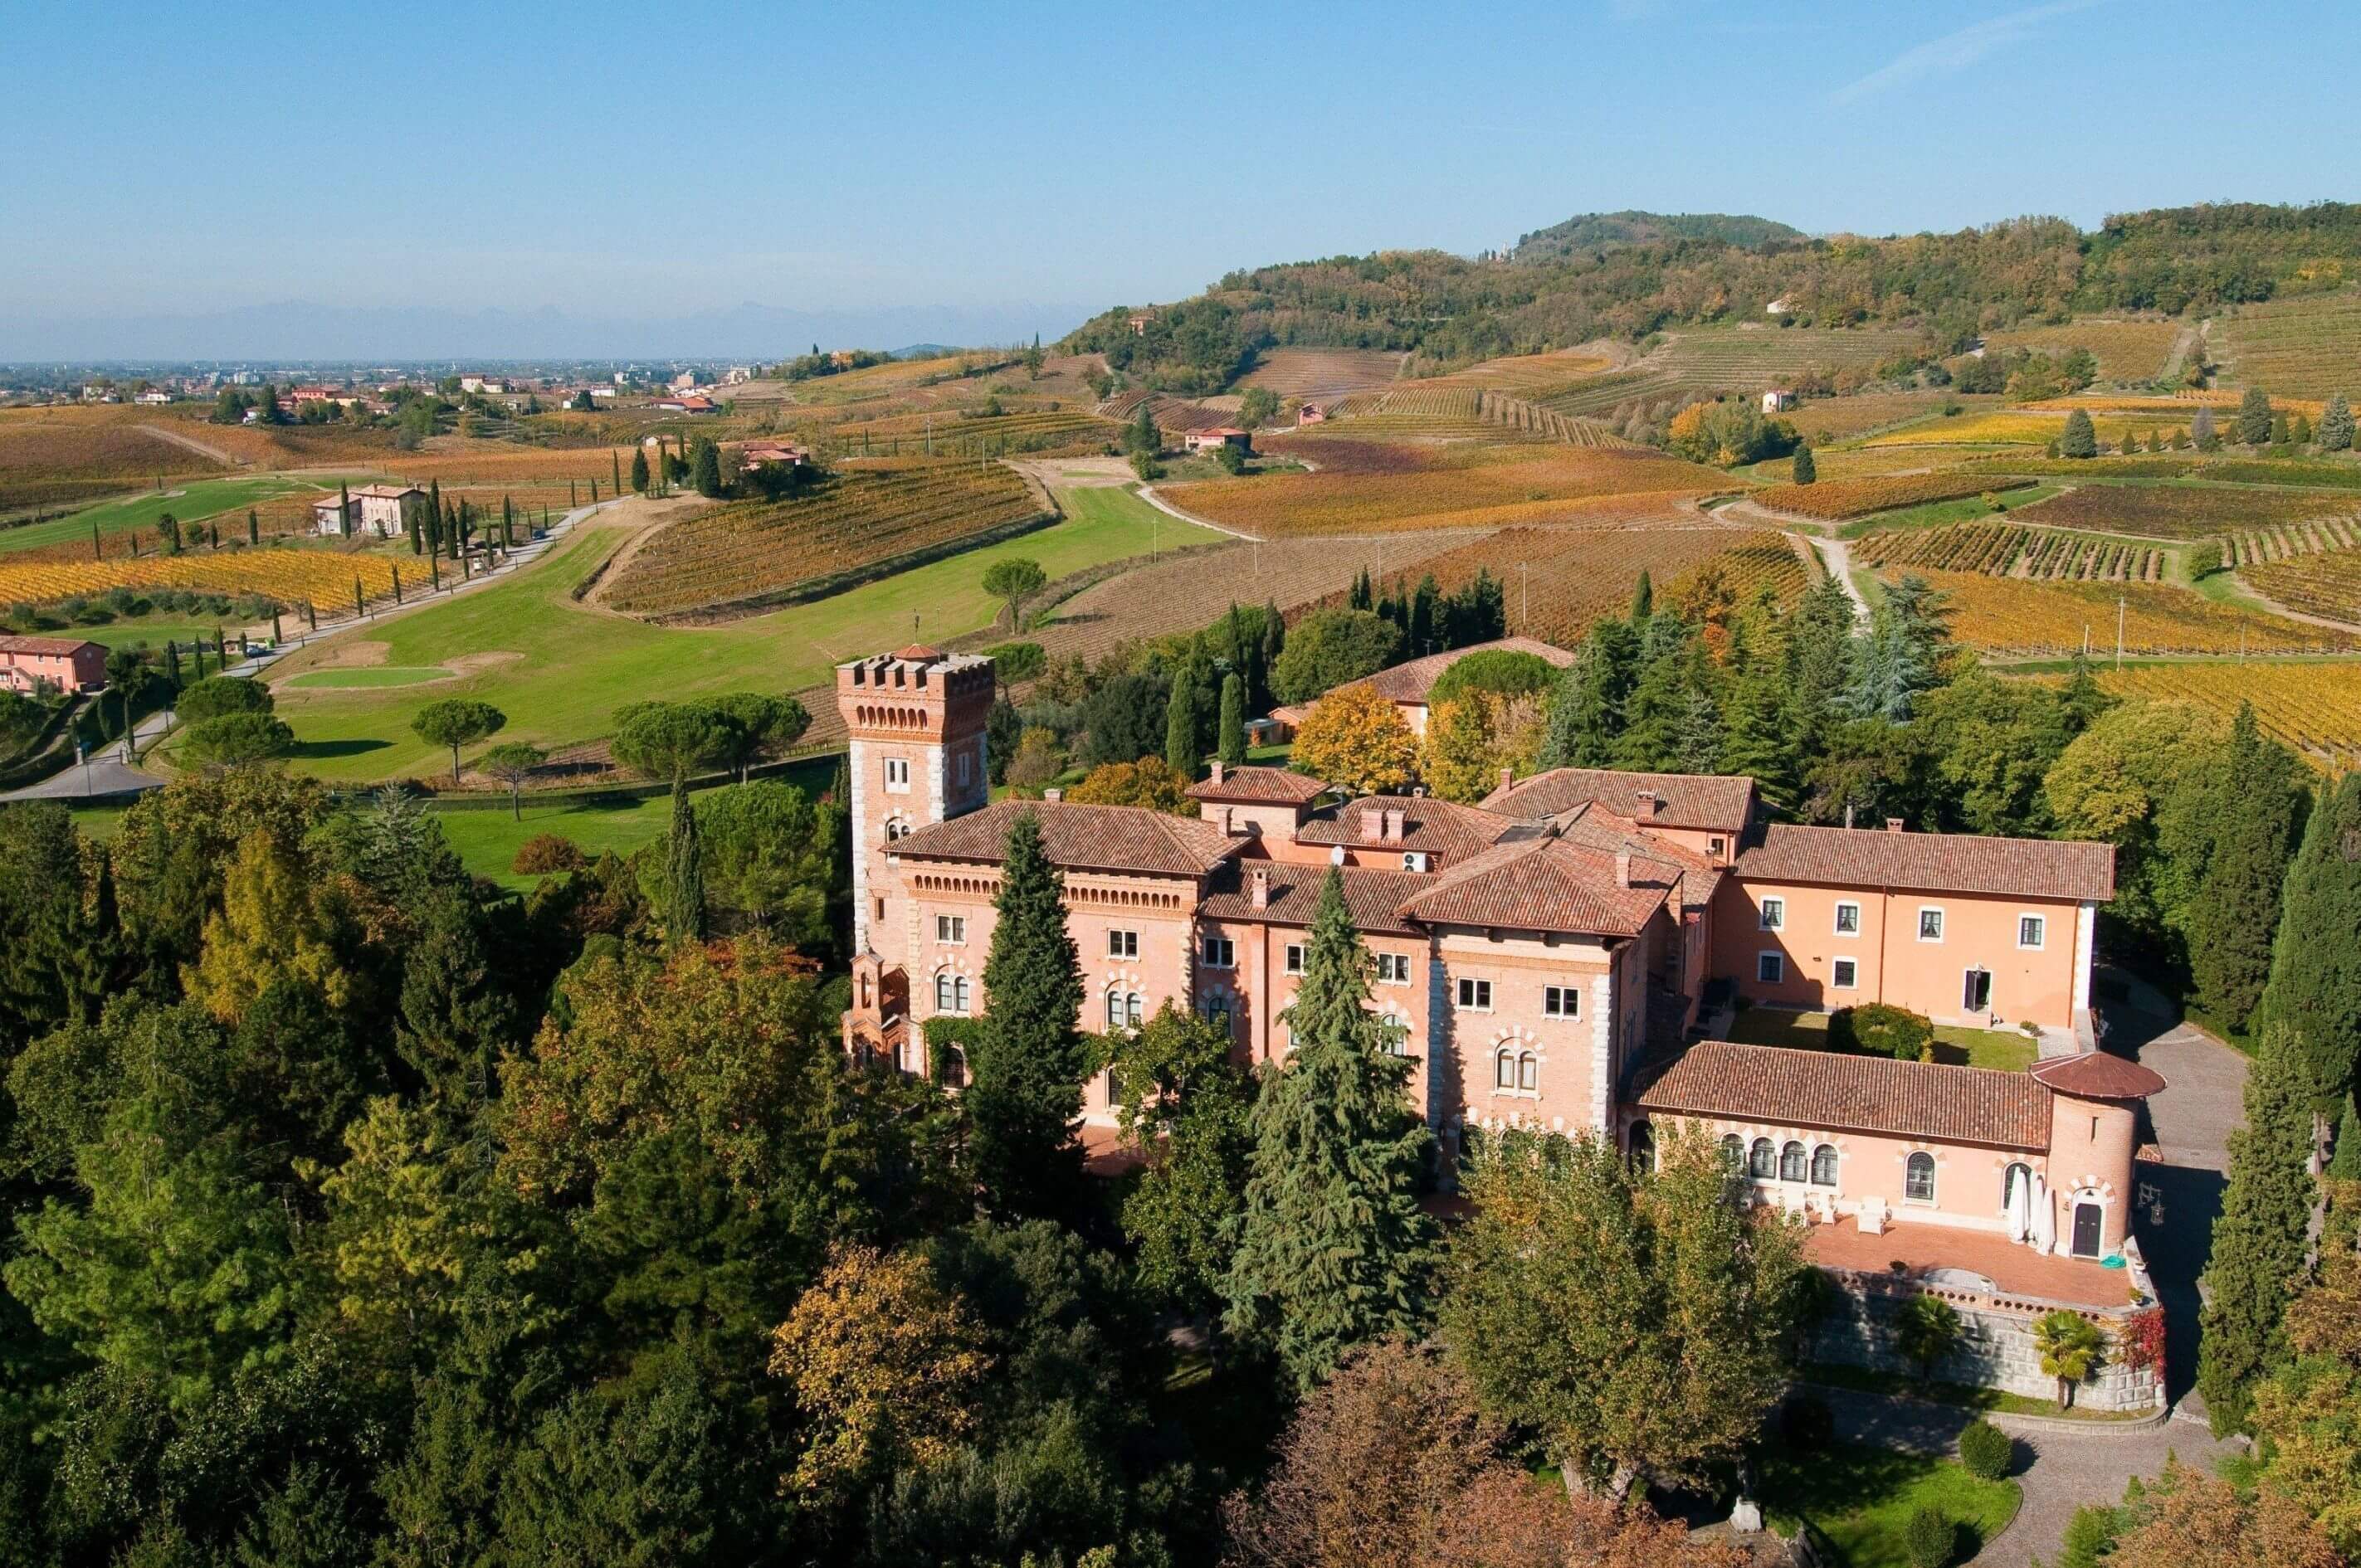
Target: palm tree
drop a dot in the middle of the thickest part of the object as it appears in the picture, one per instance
(2072, 1349)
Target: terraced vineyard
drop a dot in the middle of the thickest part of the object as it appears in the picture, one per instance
(2307, 538)
(1073, 429)
(1429, 408)
(324, 578)
(746, 556)
(1488, 486)
(2009, 550)
(2182, 405)
(2181, 512)
(2312, 707)
(2127, 350)
(1994, 429)
(2309, 346)
(2327, 584)
(1297, 373)
(1836, 501)
(1823, 420)
(2300, 473)
(2013, 615)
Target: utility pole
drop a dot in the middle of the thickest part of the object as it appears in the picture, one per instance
(2119, 631)
(1524, 593)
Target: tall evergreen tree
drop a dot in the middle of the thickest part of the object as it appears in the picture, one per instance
(2336, 425)
(1586, 712)
(1658, 715)
(1360, 596)
(1181, 726)
(1333, 1249)
(344, 510)
(1423, 638)
(1274, 643)
(2236, 912)
(2255, 417)
(1757, 741)
(1029, 1058)
(1807, 471)
(1232, 746)
(684, 869)
(2259, 1241)
(2314, 992)
(1817, 663)
(2079, 439)
(1644, 599)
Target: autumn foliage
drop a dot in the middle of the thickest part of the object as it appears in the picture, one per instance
(1356, 741)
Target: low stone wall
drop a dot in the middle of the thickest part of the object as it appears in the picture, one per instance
(1996, 1348)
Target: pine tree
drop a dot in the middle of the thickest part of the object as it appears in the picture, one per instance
(1807, 471)
(1181, 726)
(2077, 439)
(1756, 740)
(2336, 425)
(2255, 417)
(2280, 433)
(684, 869)
(2129, 444)
(1586, 711)
(1333, 1249)
(1658, 713)
(1817, 664)
(2259, 1241)
(2300, 431)
(1232, 746)
(2236, 912)
(1029, 1059)
(2314, 992)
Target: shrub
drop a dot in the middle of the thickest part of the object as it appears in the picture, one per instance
(1986, 1450)
(1019, 660)
(546, 852)
(1931, 1540)
(217, 695)
(1807, 1424)
(1878, 1028)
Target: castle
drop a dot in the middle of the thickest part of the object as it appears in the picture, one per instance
(1564, 956)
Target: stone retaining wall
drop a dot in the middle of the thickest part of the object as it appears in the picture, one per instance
(1995, 1349)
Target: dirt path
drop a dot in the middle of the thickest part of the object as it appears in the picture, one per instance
(646, 520)
(2265, 601)
(1147, 493)
(191, 444)
(1837, 552)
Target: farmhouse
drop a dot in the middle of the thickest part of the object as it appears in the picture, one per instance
(51, 663)
(382, 511)
(1778, 402)
(153, 397)
(1565, 957)
(1214, 437)
(763, 454)
(689, 404)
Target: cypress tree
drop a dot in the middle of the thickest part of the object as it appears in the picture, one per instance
(1232, 746)
(2346, 1165)
(1644, 600)
(410, 514)
(1274, 642)
(615, 462)
(2314, 992)
(1029, 1058)
(2079, 439)
(1756, 739)
(684, 869)
(639, 472)
(2259, 1241)
(345, 511)
(1334, 1250)
(2236, 911)
(1422, 640)
(1181, 725)
(1808, 472)
(2336, 425)
(253, 527)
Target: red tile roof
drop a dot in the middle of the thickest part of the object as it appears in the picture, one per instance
(1411, 682)
(1684, 800)
(1778, 1086)
(2095, 1075)
(1599, 828)
(50, 647)
(1080, 837)
(1374, 897)
(1435, 827)
(1260, 787)
(1934, 862)
(1531, 883)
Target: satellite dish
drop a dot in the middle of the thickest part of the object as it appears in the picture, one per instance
(1336, 855)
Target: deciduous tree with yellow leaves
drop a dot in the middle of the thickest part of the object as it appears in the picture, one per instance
(1356, 741)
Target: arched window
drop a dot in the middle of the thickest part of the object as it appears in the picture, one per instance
(1761, 1161)
(1733, 1149)
(1504, 1070)
(1918, 1178)
(958, 993)
(1133, 1014)
(1528, 1073)
(1396, 1033)
(1114, 1010)
(943, 993)
(1791, 1161)
(1642, 1145)
(951, 1067)
(1824, 1166)
(895, 827)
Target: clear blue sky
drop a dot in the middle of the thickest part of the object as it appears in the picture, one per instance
(606, 160)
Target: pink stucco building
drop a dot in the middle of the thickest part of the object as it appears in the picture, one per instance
(57, 663)
(1562, 957)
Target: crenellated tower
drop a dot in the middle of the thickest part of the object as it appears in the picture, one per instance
(916, 721)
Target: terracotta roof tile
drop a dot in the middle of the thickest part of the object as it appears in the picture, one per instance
(1937, 863)
(1411, 682)
(1596, 829)
(53, 646)
(1543, 884)
(1080, 837)
(1435, 827)
(1259, 786)
(1373, 896)
(2095, 1075)
(1778, 1086)
(1684, 800)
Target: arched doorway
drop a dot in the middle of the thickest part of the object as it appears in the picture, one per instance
(2089, 1224)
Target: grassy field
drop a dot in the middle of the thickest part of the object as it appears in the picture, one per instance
(188, 500)
(487, 841)
(154, 630)
(1935, 514)
(1862, 1498)
(559, 669)
(2005, 1049)
(368, 677)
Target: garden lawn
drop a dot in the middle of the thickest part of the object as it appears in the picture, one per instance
(559, 669)
(2005, 1049)
(1861, 1499)
(189, 499)
(487, 840)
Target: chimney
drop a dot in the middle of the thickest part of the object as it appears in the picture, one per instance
(1623, 866)
(1373, 825)
(1646, 811)
(1217, 769)
(1508, 776)
(1394, 814)
(1221, 818)
(1261, 888)
(1894, 825)
(1053, 794)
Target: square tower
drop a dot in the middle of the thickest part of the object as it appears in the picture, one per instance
(916, 721)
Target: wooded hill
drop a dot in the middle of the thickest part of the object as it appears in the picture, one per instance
(1627, 274)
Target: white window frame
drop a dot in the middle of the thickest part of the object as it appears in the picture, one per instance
(2040, 932)
(1220, 952)
(1801, 1163)
(1774, 960)
(1835, 1165)
(1563, 1001)
(1393, 969)
(952, 930)
(1504, 1070)
(1123, 944)
(1475, 995)
(1941, 922)
(1837, 978)
(897, 775)
(1293, 957)
(1836, 920)
(1773, 915)
(1910, 1165)
(951, 995)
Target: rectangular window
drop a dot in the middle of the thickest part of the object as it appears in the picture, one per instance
(1560, 1001)
(1294, 959)
(1219, 953)
(963, 763)
(1123, 944)
(1845, 975)
(1774, 914)
(1848, 918)
(1770, 968)
(898, 775)
(1931, 924)
(1720, 846)
(1393, 969)
(2032, 930)
(1475, 993)
(951, 927)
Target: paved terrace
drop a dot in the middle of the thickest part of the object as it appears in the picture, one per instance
(2013, 1268)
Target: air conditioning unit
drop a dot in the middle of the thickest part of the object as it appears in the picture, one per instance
(1415, 860)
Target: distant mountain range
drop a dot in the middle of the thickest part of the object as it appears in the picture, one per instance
(300, 331)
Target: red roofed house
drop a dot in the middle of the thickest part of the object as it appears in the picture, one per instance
(1214, 437)
(56, 663)
(758, 453)
(688, 403)
(1547, 955)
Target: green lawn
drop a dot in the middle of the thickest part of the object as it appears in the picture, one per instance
(188, 500)
(487, 841)
(1902, 1386)
(369, 675)
(2005, 1049)
(570, 666)
(1935, 514)
(1861, 1499)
